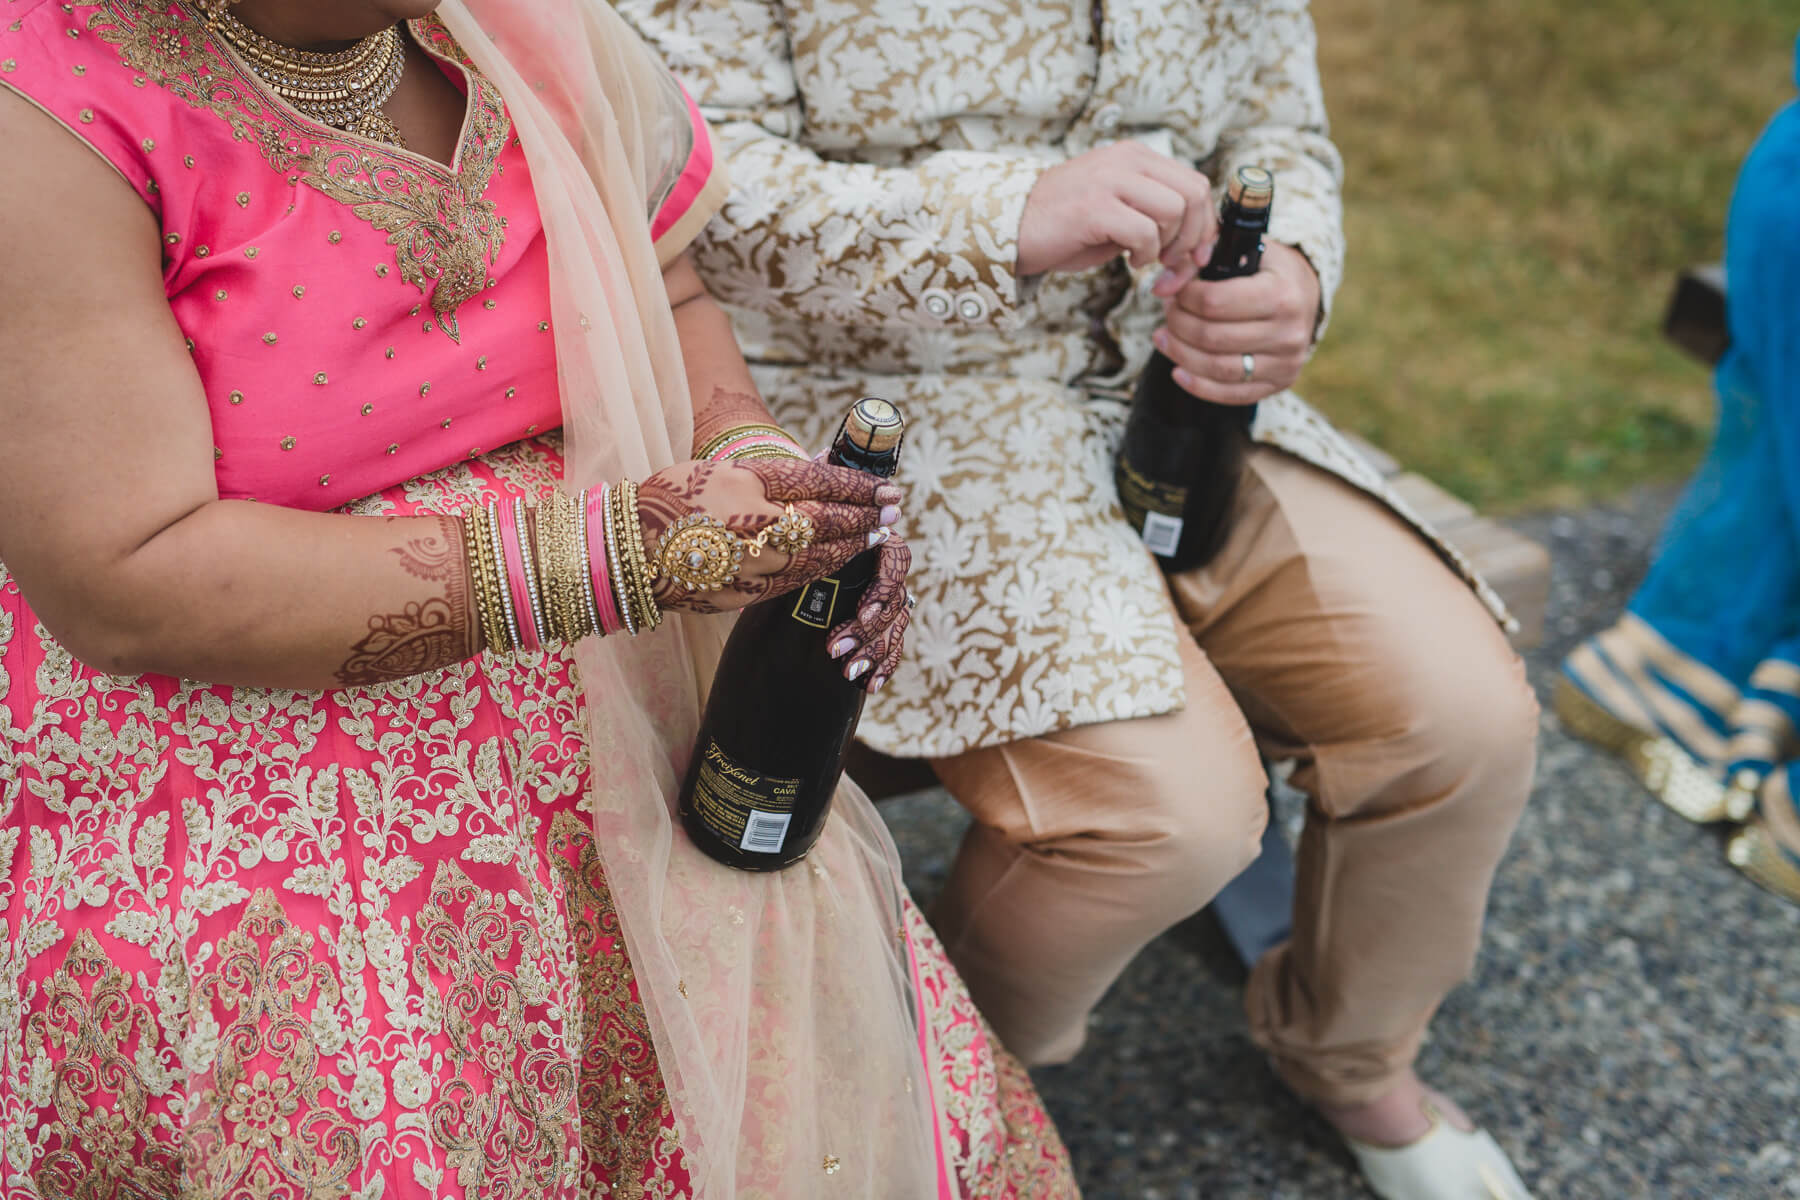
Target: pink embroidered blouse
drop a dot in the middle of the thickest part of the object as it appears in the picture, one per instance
(359, 314)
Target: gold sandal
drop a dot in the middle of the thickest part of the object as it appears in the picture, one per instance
(1756, 854)
(1658, 762)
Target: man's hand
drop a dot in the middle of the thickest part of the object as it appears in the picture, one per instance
(1119, 199)
(1211, 325)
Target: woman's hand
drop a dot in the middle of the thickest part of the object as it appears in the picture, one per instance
(850, 512)
(1269, 316)
(1123, 198)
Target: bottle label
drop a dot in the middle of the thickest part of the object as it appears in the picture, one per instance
(818, 600)
(746, 808)
(1154, 509)
(1162, 535)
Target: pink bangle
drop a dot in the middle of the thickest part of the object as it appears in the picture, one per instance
(518, 574)
(585, 547)
(598, 564)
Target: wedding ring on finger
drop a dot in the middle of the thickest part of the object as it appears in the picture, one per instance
(699, 553)
(790, 533)
(1249, 366)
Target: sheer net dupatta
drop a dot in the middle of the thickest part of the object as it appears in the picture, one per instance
(782, 1005)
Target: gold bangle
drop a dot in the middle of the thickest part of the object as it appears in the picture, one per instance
(750, 452)
(549, 581)
(485, 574)
(739, 431)
(557, 545)
(636, 562)
(649, 613)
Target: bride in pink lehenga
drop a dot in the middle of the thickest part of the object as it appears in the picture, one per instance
(421, 925)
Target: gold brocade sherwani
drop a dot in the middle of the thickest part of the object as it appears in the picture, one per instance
(882, 152)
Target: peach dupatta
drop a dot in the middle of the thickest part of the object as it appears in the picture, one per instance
(783, 1005)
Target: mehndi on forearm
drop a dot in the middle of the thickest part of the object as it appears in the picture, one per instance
(516, 576)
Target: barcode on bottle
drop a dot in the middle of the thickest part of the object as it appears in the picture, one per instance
(1162, 534)
(765, 831)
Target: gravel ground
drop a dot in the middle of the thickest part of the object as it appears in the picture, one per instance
(1632, 1029)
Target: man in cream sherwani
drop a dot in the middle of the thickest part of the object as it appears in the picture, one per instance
(942, 203)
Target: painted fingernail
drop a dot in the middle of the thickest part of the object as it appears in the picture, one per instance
(876, 684)
(869, 613)
(843, 646)
(889, 514)
(1184, 379)
(880, 535)
(1166, 278)
(1161, 338)
(858, 669)
(888, 494)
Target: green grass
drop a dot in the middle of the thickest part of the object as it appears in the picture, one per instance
(1524, 180)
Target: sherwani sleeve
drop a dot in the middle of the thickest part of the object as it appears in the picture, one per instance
(851, 243)
(1280, 124)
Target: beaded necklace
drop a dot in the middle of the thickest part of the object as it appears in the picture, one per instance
(344, 89)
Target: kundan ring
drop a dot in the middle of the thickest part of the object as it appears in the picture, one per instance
(699, 553)
(1249, 366)
(790, 533)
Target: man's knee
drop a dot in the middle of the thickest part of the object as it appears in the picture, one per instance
(1180, 819)
(1473, 723)
(1164, 810)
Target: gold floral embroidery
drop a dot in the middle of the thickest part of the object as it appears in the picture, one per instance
(444, 231)
(1013, 1150)
(626, 1120)
(514, 1128)
(100, 1142)
(263, 1128)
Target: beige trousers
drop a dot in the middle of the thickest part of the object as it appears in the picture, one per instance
(1328, 632)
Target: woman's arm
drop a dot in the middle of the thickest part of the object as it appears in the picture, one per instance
(110, 518)
(724, 396)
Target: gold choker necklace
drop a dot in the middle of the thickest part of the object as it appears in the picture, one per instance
(344, 89)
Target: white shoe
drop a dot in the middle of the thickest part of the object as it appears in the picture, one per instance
(1445, 1164)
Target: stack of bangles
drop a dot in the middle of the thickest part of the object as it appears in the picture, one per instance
(571, 567)
(751, 441)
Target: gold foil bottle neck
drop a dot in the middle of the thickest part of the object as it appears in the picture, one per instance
(1252, 187)
(874, 425)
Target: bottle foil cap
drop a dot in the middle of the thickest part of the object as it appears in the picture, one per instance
(1252, 187)
(874, 425)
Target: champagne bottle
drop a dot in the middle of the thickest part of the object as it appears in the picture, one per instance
(1181, 457)
(781, 714)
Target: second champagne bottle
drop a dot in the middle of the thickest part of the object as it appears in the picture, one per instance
(1181, 457)
(781, 715)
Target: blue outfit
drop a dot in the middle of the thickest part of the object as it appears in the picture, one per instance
(1708, 652)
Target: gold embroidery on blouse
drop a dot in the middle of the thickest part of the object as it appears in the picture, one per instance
(444, 231)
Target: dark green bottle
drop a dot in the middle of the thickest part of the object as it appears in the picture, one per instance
(1181, 457)
(781, 715)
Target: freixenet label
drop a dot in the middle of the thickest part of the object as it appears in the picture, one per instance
(741, 806)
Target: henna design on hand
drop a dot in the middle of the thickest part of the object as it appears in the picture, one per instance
(887, 594)
(788, 480)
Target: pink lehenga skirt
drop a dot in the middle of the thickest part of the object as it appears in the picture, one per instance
(266, 943)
